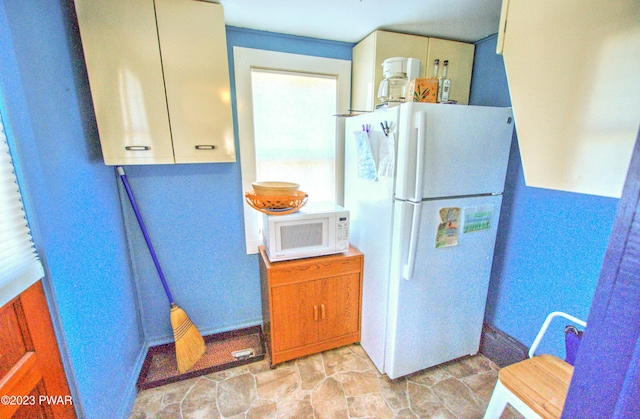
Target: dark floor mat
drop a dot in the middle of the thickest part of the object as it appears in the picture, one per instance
(160, 366)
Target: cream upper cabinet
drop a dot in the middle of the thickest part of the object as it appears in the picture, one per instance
(460, 57)
(159, 80)
(573, 69)
(196, 72)
(367, 59)
(121, 52)
(369, 54)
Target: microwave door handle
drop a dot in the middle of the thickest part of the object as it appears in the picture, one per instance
(409, 268)
(421, 139)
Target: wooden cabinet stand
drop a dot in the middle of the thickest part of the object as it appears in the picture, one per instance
(310, 305)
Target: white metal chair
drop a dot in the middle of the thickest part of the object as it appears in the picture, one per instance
(536, 387)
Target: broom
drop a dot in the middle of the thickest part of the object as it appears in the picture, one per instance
(189, 342)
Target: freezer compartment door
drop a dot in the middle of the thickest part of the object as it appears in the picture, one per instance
(436, 314)
(452, 150)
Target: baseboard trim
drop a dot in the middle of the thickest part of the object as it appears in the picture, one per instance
(163, 340)
(500, 347)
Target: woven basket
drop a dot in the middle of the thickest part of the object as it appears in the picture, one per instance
(277, 205)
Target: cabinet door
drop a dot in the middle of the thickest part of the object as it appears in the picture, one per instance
(339, 306)
(196, 72)
(31, 371)
(572, 69)
(296, 311)
(368, 57)
(391, 44)
(460, 56)
(120, 43)
(362, 68)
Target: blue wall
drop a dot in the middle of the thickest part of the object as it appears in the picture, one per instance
(548, 255)
(105, 296)
(194, 216)
(72, 204)
(550, 244)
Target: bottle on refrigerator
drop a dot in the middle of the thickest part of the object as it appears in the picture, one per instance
(436, 64)
(446, 82)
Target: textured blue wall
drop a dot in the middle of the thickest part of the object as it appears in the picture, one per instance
(549, 251)
(193, 212)
(72, 203)
(550, 244)
(194, 216)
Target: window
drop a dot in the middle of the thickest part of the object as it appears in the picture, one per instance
(303, 148)
(287, 125)
(19, 263)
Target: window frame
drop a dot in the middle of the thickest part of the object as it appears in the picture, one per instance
(246, 59)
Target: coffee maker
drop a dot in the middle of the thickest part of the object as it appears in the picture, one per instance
(397, 72)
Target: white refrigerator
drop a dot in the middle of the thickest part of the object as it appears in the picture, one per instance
(424, 190)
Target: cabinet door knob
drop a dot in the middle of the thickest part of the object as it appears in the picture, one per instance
(205, 147)
(324, 312)
(315, 313)
(137, 147)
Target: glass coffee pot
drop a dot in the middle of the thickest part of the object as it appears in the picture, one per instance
(395, 71)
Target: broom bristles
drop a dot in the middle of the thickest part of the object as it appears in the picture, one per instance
(189, 342)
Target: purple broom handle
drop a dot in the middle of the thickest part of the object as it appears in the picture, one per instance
(123, 177)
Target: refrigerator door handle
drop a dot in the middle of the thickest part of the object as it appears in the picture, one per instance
(413, 241)
(420, 154)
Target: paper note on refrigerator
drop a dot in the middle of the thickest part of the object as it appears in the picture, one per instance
(386, 162)
(477, 218)
(366, 163)
(447, 234)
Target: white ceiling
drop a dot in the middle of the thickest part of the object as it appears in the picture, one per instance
(352, 20)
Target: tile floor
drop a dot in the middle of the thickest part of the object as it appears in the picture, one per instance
(341, 383)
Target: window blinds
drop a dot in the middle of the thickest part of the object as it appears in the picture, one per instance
(19, 263)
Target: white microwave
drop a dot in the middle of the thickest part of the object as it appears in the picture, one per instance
(318, 228)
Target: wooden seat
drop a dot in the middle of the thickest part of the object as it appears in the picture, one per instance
(537, 387)
(540, 382)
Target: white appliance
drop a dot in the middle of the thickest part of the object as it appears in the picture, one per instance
(318, 228)
(397, 72)
(424, 305)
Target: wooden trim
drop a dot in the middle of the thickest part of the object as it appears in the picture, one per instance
(19, 382)
(44, 342)
(41, 366)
